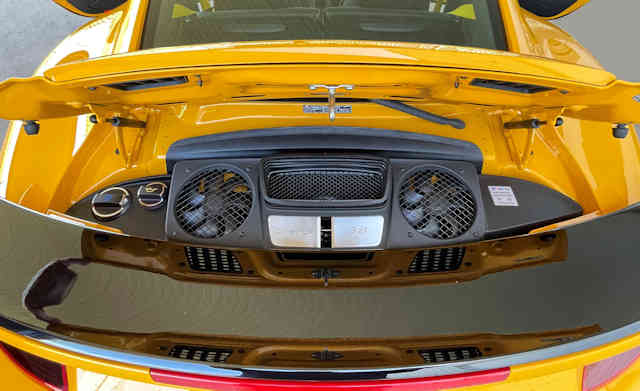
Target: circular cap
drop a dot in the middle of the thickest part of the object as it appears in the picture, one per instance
(111, 203)
(152, 195)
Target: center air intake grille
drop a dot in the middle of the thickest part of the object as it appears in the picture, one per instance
(437, 260)
(434, 356)
(325, 179)
(437, 203)
(210, 260)
(199, 353)
(213, 203)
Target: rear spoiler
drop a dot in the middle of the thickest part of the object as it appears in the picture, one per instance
(219, 74)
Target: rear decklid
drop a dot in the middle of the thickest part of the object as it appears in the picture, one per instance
(281, 70)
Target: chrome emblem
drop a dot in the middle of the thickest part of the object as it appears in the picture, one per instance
(637, 98)
(332, 95)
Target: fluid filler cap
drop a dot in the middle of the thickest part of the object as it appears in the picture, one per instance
(111, 203)
(152, 195)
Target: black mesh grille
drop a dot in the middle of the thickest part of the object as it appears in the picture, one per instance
(200, 353)
(213, 203)
(437, 260)
(325, 179)
(434, 356)
(210, 260)
(437, 203)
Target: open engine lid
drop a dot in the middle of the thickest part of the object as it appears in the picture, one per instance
(241, 72)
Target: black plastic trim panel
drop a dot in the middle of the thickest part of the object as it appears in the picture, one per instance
(144, 223)
(260, 143)
(538, 206)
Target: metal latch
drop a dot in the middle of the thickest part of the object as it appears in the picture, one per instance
(332, 96)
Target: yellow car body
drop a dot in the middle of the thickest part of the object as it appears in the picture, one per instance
(73, 157)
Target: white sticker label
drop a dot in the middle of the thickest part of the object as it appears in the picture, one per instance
(503, 196)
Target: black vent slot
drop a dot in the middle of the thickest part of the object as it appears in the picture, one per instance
(326, 179)
(521, 88)
(325, 257)
(200, 353)
(437, 260)
(149, 83)
(210, 260)
(435, 356)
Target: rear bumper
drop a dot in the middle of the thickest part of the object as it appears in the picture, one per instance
(558, 367)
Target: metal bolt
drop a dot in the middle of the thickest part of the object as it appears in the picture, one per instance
(410, 234)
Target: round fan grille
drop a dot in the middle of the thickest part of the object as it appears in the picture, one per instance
(213, 203)
(437, 203)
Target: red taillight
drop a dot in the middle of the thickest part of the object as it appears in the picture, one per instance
(45, 372)
(241, 384)
(603, 372)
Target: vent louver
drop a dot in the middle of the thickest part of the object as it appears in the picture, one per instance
(435, 356)
(210, 260)
(437, 260)
(213, 203)
(521, 88)
(149, 83)
(437, 203)
(200, 353)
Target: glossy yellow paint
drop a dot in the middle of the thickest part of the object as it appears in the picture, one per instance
(561, 374)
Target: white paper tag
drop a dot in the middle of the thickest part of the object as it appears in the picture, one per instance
(503, 196)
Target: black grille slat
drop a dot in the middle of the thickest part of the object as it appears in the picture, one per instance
(149, 83)
(200, 353)
(522, 88)
(436, 356)
(210, 260)
(325, 179)
(213, 203)
(437, 203)
(438, 260)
